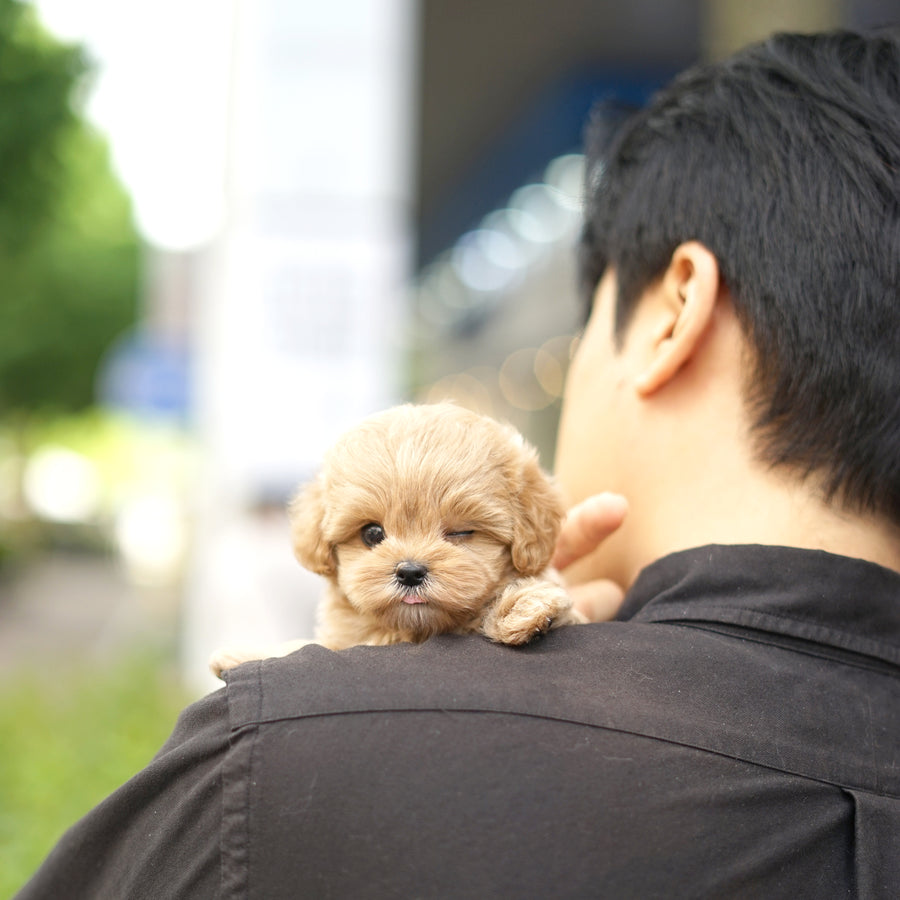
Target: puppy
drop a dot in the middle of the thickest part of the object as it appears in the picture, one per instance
(426, 520)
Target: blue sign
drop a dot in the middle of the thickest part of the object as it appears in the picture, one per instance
(146, 375)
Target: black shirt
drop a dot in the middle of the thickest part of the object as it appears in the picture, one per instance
(735, 733)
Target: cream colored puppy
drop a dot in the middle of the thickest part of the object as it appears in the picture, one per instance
(427, 520)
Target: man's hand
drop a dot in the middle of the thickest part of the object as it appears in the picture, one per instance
(586, 526)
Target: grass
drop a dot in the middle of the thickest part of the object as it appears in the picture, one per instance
(69, 740)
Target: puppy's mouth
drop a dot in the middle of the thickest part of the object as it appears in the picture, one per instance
(412, 596)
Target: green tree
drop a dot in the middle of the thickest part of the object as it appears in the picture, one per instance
(69, 252)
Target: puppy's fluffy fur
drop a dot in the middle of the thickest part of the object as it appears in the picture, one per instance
(426, 520)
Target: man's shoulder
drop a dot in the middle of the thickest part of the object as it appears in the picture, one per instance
(555, 675)
(688, 685)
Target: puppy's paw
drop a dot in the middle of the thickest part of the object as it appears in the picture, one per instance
(526, 609)
(226, 658)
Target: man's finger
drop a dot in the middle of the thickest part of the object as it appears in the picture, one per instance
(587, 525)
(597, 601)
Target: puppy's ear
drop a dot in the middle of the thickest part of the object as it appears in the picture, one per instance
(538, 521)
(307, 514)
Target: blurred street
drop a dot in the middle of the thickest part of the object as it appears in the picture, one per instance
(65, 608)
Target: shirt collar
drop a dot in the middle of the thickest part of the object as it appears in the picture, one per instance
(808, 594)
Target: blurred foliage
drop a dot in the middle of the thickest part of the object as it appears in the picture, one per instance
(66, 743)
(69, 277)
(124, 449)
(130, 457)
(37, 78)
(69, 252)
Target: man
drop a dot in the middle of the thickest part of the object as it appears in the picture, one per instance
(735, 732)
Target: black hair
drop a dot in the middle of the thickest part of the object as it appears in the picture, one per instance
(784, 161)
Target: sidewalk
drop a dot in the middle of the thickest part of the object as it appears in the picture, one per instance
(65, 608)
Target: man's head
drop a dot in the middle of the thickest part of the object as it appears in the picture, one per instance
(784, 161)
(741, 252)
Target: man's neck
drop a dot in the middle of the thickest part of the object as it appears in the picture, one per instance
(764, 508)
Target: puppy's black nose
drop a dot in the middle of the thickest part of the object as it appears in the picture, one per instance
(410, 574)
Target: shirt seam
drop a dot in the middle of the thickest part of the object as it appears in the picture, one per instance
(237, 783)
(791, 643)
(844, 784)
(743, 615)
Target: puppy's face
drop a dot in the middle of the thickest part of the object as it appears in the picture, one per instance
(422, 515)
(420, 576)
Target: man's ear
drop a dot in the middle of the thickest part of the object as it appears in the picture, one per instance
(687, 291)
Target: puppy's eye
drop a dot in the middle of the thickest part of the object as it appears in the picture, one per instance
(458, 535)
(372, 534)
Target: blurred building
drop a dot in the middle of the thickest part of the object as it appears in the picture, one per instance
(505, 90)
